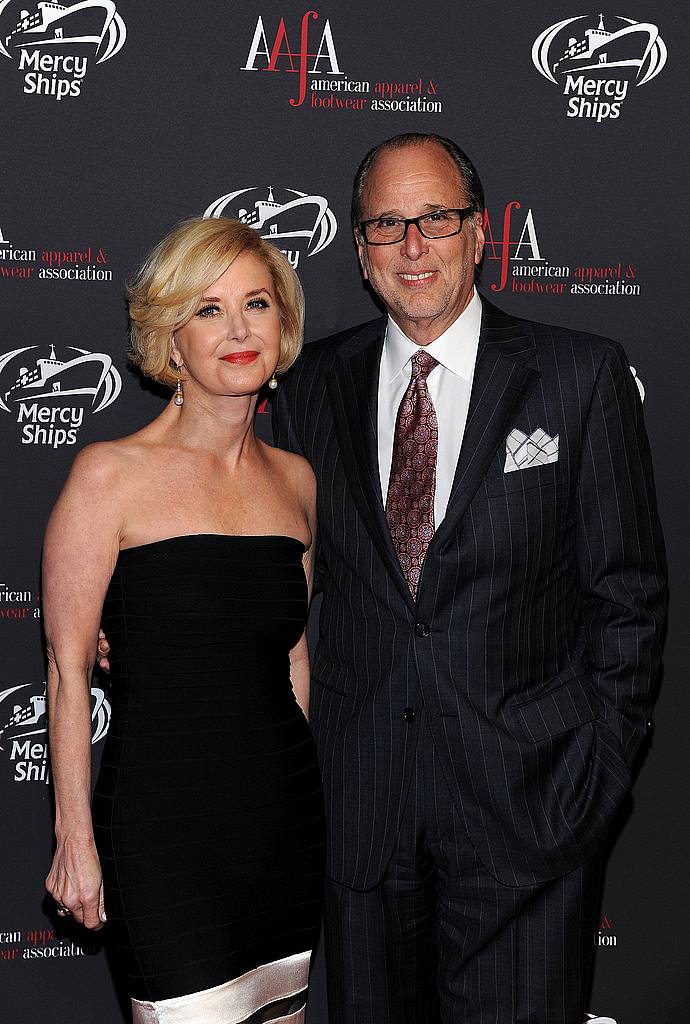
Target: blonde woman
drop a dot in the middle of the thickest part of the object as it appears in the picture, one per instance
(192, 541)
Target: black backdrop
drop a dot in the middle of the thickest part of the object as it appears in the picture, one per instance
(104, 149)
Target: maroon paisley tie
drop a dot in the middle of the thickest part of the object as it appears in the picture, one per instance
(410, 501)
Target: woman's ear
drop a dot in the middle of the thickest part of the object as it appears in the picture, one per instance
(175, 353)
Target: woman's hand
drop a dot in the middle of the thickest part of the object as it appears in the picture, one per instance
(102, 651)
(75, 882)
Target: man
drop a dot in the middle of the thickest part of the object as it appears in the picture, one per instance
(493, 597)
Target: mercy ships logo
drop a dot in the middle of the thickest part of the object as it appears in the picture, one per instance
(53, 45)
(50, 398)
(596, 68)
(24, 724)
(298, 224)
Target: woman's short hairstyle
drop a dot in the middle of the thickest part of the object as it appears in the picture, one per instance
(166, 291)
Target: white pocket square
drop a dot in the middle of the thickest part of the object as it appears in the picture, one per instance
(523, 452)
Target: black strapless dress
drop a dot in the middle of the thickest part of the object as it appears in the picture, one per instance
(208, 809)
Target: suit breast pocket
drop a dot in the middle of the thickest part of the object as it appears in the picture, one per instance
(499, 483)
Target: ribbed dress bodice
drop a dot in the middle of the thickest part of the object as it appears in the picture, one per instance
(208, 807)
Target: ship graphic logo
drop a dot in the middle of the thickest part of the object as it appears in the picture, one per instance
(52, 379)
(93, 25)
(296, 222)
(23, 713)
(634, 45)
(640, 385)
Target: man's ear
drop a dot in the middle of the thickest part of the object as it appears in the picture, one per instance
(361, 255)
(478, 238)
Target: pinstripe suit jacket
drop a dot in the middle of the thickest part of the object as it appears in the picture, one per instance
(534, 641)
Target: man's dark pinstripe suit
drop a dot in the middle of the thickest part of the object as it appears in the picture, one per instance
(528, 659)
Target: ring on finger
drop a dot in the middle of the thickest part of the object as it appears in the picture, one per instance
(63, 911)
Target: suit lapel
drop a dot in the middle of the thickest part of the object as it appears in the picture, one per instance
(353, 392)
(502, 384)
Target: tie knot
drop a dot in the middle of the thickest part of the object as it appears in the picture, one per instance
(422, 364)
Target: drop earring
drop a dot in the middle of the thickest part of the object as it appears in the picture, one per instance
(179, 393)
(273, 382)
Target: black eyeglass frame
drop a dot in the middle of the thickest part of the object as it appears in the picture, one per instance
(406, 221)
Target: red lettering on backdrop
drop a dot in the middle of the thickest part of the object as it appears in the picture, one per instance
(277, 52)
(503, 244)
(304, 32)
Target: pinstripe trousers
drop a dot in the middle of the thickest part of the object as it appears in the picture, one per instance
(440, 940)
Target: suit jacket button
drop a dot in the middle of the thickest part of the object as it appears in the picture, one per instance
(409, 714)
(422, 630)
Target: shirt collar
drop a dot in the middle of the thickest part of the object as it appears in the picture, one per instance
(455, 349)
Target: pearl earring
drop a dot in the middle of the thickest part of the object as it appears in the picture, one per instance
(179, 393)
(273, 383)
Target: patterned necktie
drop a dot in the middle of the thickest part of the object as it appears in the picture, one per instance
(410, 501)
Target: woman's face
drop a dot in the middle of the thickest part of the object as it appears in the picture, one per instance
(231, 346)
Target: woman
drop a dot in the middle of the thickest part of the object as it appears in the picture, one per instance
(193, 540)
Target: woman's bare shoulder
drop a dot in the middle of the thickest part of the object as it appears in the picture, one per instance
(295, 468)
(106, 462)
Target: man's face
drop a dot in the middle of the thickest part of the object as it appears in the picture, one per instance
(425, 283)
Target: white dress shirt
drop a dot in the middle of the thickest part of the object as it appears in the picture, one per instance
(449, 384)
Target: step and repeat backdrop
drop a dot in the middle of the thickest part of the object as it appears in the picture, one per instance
(120, 119)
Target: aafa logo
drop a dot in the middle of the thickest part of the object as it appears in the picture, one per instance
(88, 263)
(507, 250)
(53, 45)
(511, 242)
(24, 724)
(298, 223)
(306, 59)
(48, 398)
(597, 67)
(16, 604)
(593, 1019)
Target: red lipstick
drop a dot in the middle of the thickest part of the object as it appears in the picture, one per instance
(240, 358)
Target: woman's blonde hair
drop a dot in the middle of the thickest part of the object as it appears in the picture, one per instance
(165, 293)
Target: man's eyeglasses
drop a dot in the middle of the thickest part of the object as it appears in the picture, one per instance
(437, 224)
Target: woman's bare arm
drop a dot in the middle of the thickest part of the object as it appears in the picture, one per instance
(80, 550)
